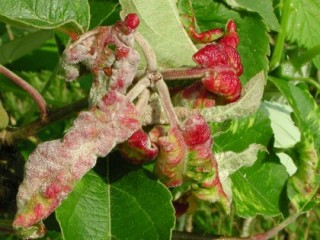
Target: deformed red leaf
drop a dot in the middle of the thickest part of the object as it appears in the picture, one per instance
(185, 156)
(55, 166)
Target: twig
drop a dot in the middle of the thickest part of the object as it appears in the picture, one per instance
(138, 88)
(261, 236)
(28, 88)
(165, 100)
(147, 51)
(143, 101)
(183, 73)
(9, 137)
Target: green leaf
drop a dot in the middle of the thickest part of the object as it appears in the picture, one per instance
(248, 103)
(23, 45)
(229, 162)
(242, 139)
(254, 42)
(303, 24)
(160, 25)
(264, 8)
(304, 184)
(67, 15)
(305, 108)
(285, 132)
(107, 210)
(237, 135)
(258, 189)
(100, 11)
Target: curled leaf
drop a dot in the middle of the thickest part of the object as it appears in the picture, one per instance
(138, 148)
(108, 53)
(186, 157)
(55, 166)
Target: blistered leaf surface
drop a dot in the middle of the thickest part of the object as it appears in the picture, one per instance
(55, 166)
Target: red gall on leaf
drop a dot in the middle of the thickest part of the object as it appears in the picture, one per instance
(194, 96)
(223, 63)
(132, 21)
(231, 37)
(138, 148)
(187, 17)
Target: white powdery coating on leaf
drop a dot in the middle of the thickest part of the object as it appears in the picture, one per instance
(59, 164)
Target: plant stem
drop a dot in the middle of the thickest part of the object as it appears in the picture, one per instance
(307, 80)
(148, 52)
(28, 88)
(165, 99)
(262, 236)
(305, 57)
(277, 52)
(183, 73)
(143, 101)
(156, 79)
(10, 137)
(138, 88)
(274, 231)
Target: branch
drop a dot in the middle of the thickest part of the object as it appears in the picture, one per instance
(184, 73)
(9, 137)
(147, 51)
(176, 235)
(27, 87)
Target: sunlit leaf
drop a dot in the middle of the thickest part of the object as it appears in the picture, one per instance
(67, 15)
(160, 25)
(263, 7)
(303, 24)
(21, 46)
(129, 205)
(304, 184)
(285, 132)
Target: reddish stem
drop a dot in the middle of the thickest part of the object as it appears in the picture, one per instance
(183, 73)
(165, 99)
(28, 88)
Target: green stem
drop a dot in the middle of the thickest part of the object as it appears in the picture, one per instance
(301, 79)
(277, 52)
(305, 57)
(43, 92)
(262, 236)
